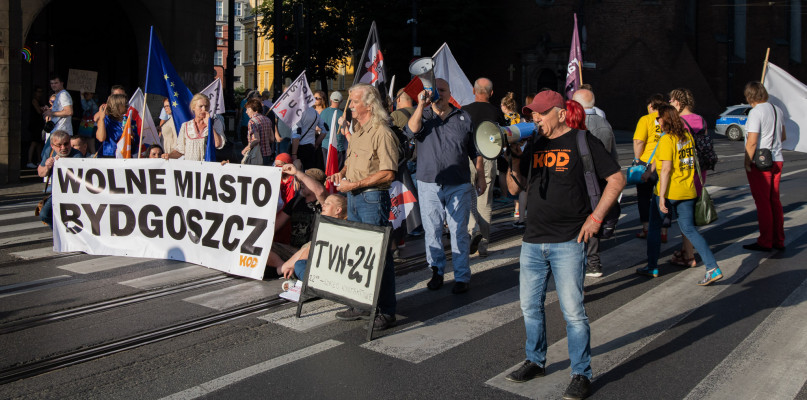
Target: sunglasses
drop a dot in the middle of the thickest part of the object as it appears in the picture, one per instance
(317, 98)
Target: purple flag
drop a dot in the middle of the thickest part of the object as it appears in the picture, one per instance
(574, 77)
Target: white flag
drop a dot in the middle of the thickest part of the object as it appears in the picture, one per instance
(294, 101)
(446, 67)
(215, 93)
(790, 95)
(143, 119)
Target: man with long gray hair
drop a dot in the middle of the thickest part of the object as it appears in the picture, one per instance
(372, 160)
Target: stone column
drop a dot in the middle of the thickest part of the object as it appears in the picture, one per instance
(10, 112)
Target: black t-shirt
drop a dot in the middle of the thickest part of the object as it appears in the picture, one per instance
(557, 202)
(301, 217)
(481, 111)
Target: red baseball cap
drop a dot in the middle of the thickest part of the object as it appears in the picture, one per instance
(284, 157)
(544, 102)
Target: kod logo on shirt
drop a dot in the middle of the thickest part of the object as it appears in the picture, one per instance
(554, 158)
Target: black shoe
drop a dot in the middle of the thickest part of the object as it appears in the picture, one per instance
(437, 280)
(525, 372)
(352, 314)
(779, 248)
(383, 321)
(460, 287)
(475, 243)
(756, 246)
(594, 271)
(578, 389)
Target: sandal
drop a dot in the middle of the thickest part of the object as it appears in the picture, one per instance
(642, 234)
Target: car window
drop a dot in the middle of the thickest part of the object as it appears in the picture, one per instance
(739, 111)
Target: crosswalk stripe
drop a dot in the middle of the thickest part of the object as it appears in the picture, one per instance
(20, 214)
(99, 264)
(33, 237)
(236, 295)
(774, 354)
(28, 204)
(22, 227)
(175, 276)
(35, 254)
(426, 339)
(238, 376)
(623, 332)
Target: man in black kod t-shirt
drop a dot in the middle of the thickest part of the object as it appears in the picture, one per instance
(559, 223)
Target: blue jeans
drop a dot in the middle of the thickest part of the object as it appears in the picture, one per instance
(436, 203)
(284, 146)
(299, 268)
(46, 214)
(374, 208)
(567, 262)
(685, 212)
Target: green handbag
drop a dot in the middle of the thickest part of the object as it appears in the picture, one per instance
(705, 212)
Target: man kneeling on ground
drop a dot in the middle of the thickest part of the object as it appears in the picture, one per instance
(335, 206)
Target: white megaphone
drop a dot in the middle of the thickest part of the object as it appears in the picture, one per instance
(423, 68)
(490, 139)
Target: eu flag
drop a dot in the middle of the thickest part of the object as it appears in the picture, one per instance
(162, 79)
(210, 146)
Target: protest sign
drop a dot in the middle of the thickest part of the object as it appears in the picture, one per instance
(218, 216)
(294, 101)
(81, 80)
(345, 263)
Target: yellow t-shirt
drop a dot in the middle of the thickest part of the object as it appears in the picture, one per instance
(682, 179)
(648, 131)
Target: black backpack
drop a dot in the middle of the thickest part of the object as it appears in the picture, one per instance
(594, 188)
(707, 158)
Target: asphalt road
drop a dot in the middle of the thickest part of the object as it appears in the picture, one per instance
(662, 338)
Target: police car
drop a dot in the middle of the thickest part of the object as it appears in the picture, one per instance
(732, 122)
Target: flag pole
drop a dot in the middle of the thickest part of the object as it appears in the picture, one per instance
(765, 66)
(140, 131)
(580, 71)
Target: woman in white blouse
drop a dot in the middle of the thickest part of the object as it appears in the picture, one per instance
(192, 138)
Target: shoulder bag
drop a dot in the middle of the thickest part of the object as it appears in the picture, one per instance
(763, 158)
(635, 172)
(705, 212)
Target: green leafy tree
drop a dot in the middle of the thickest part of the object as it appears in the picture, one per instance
(319, 33)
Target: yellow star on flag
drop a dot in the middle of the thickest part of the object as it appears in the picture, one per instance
(174, 103)
(176, 94)
(166, 76)
(172, 83)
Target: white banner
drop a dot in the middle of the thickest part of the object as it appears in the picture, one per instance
(790, 95)
(294, 101)
(222, 217)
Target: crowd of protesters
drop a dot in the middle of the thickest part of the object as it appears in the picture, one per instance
(429, 137)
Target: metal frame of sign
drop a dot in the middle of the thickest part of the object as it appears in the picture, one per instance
(307, 293)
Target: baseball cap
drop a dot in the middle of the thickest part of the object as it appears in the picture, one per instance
(543, 102)
(336, 96)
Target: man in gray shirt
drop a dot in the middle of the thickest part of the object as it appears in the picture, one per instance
(602, 130)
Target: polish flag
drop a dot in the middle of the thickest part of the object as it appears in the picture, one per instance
(332, 163)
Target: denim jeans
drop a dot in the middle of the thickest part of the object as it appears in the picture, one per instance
(436, 203)
(567, 262)
(46, 214)
(373, 208)
(685, 212)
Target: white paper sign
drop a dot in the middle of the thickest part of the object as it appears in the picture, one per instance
(218, 216)
(81, 80)
(346, 259)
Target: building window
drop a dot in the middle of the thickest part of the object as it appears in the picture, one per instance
(239, 9)
(237, 78)
(237, 33)
(219, 10)
(217, 58)
(265, 79)
(219, 31)
(237, 58)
